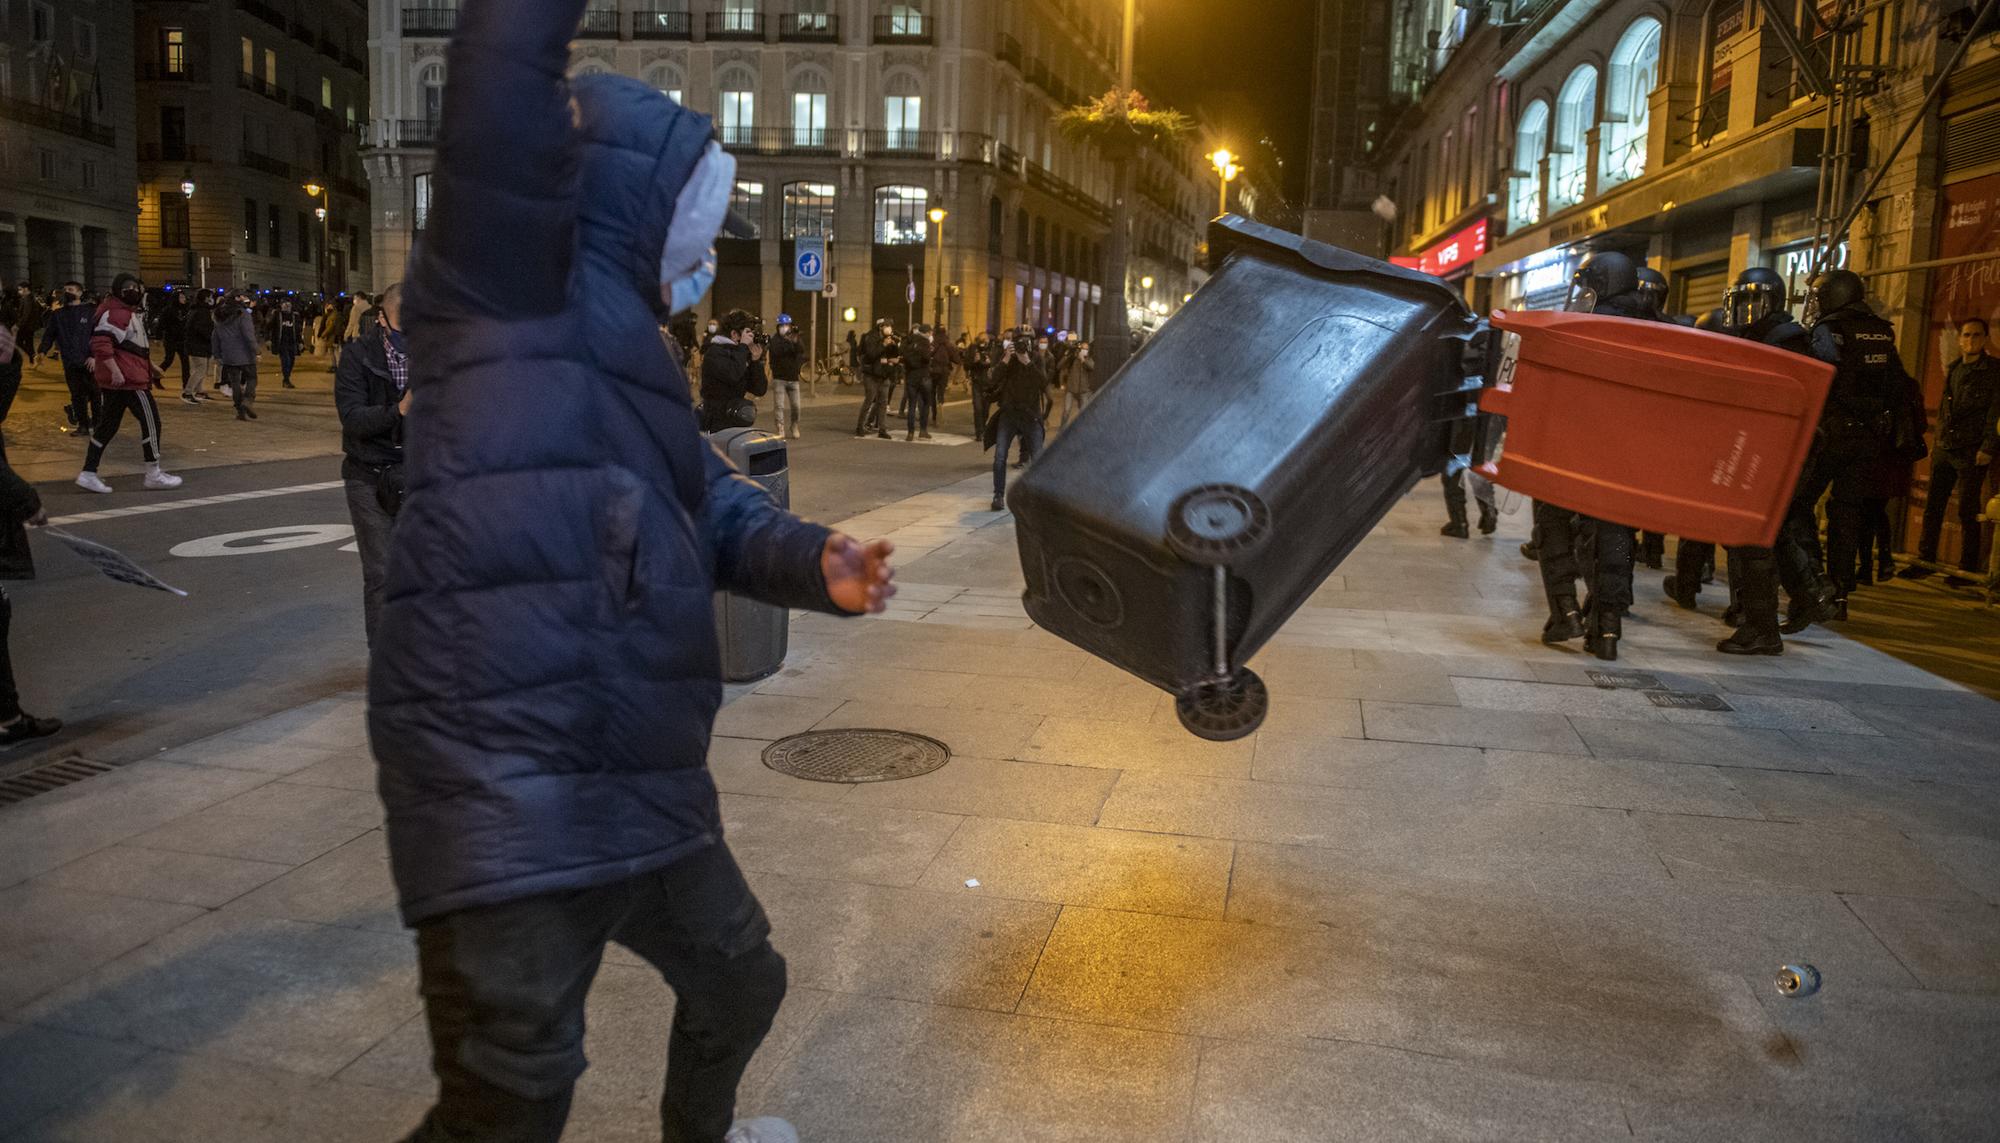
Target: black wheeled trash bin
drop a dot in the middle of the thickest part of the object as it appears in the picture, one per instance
(1237, 458)
(752, 634)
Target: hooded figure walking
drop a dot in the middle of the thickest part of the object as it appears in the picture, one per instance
(546, 673)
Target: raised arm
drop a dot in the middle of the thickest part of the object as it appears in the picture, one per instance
(503, 216)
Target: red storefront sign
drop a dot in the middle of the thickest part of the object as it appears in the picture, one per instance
(1969, 224)
(1450, 254)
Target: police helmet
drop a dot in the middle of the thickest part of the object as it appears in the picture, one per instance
(1601, 274)
(1758, 293)
(1830, 292)
(1715, 321)
(1653, 284)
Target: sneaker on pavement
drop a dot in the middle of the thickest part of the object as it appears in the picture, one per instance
(158, 479)
(28, 726)
(91, 482)
(999, 504)
(190, 398)
(767, 1129)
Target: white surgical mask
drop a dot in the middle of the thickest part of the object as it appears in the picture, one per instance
(687, 262)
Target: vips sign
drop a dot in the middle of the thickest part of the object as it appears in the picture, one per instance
(1452, 253)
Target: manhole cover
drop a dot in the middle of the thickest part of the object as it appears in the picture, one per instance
(1679, 701)
(856, 755)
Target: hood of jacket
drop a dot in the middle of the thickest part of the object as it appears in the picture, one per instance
(640, 148)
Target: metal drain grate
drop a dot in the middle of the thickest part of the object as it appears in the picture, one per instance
(858, 755)
(53, 776)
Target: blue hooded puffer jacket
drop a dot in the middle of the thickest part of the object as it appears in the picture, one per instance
(546, 672)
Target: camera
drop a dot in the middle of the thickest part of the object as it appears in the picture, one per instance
(1025, 346)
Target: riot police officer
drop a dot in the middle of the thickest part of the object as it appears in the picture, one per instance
(1605, 282)
(1857, 421)
(1756, 305)
(1653, 292)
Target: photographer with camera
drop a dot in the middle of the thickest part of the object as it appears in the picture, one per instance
(371, 392)
(881, 357)
(732, 371)
(787, 359)
(1021, 393)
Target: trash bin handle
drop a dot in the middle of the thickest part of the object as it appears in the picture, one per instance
(1679, 379)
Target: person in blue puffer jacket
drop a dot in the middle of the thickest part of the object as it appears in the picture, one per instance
(546, 674)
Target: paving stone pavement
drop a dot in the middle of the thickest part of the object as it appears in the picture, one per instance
(1454, 890)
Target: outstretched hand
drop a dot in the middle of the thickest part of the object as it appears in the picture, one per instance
(858, 576)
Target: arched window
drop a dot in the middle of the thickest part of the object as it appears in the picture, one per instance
(809, 108)
(808, 210)
(1569, 146)
(736, 112)
(667, 80)
(431, 80)
(1628, 98)
(900, 215)
(903, 112)
(1531, 146)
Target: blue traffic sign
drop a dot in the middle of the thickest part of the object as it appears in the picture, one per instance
(809, 265)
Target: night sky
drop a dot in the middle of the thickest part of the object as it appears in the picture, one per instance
(1244, 65)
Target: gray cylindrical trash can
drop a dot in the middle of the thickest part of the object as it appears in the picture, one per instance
(753, 635)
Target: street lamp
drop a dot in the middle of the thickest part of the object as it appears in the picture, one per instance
(195, 278)
(325, 196)
(937, 216)
(1226, 169)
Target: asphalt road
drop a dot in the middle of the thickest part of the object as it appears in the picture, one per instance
(274, 620)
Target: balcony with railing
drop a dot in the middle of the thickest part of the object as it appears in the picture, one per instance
(1053, 185)
(734, 24)
(809, 27)
(1009, 51)
(264, 12)
(599, 24)
(889, 144)
(662, 24)
(803, 141)
(264, 87)
(75, 126)
(430, 21)
(156, 71)
(173, 153)
(266, 164)
(396, 133)
(908, 27)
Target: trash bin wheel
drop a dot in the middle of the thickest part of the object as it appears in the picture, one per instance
(1224, 709)
(1215, 524)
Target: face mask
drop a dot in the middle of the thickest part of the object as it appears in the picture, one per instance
(687, 262)
(132, 297)
(712, 327)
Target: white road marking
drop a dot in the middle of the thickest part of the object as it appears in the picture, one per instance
(174, 505)
(264, 540)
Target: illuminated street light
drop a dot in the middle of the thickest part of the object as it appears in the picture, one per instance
(937, 216)
(1226, 169)
(848, 314)
(1146, 283)
(324, 194)
(187, 188)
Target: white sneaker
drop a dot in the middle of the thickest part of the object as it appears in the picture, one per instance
(767, 1129)
(91, 482)
(157, 479)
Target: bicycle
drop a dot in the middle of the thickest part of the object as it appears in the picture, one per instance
(834, 369)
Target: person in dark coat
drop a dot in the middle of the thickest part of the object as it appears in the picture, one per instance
(371, 392)
(944, 357)
(20, 505)
(879, 356)
(978, 372)
(916, 409)
(1021, 394)
(172, 327)
(66, 329)
(732, 372)
(235, 344)
(198, 343)
(287, 339)
(546, 673)
(1968, 438)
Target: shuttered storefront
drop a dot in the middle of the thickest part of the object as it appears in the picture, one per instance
(1702, 288)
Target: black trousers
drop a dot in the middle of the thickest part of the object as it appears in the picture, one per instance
(1802, 563)
(874, 403)
(242, 382)
(1454, 496)
(144, 410)
(372, 527)
(10, 698)
(85, 399)
(982, 407)
(504, 989)
(1954, 475)
(1573, 546)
